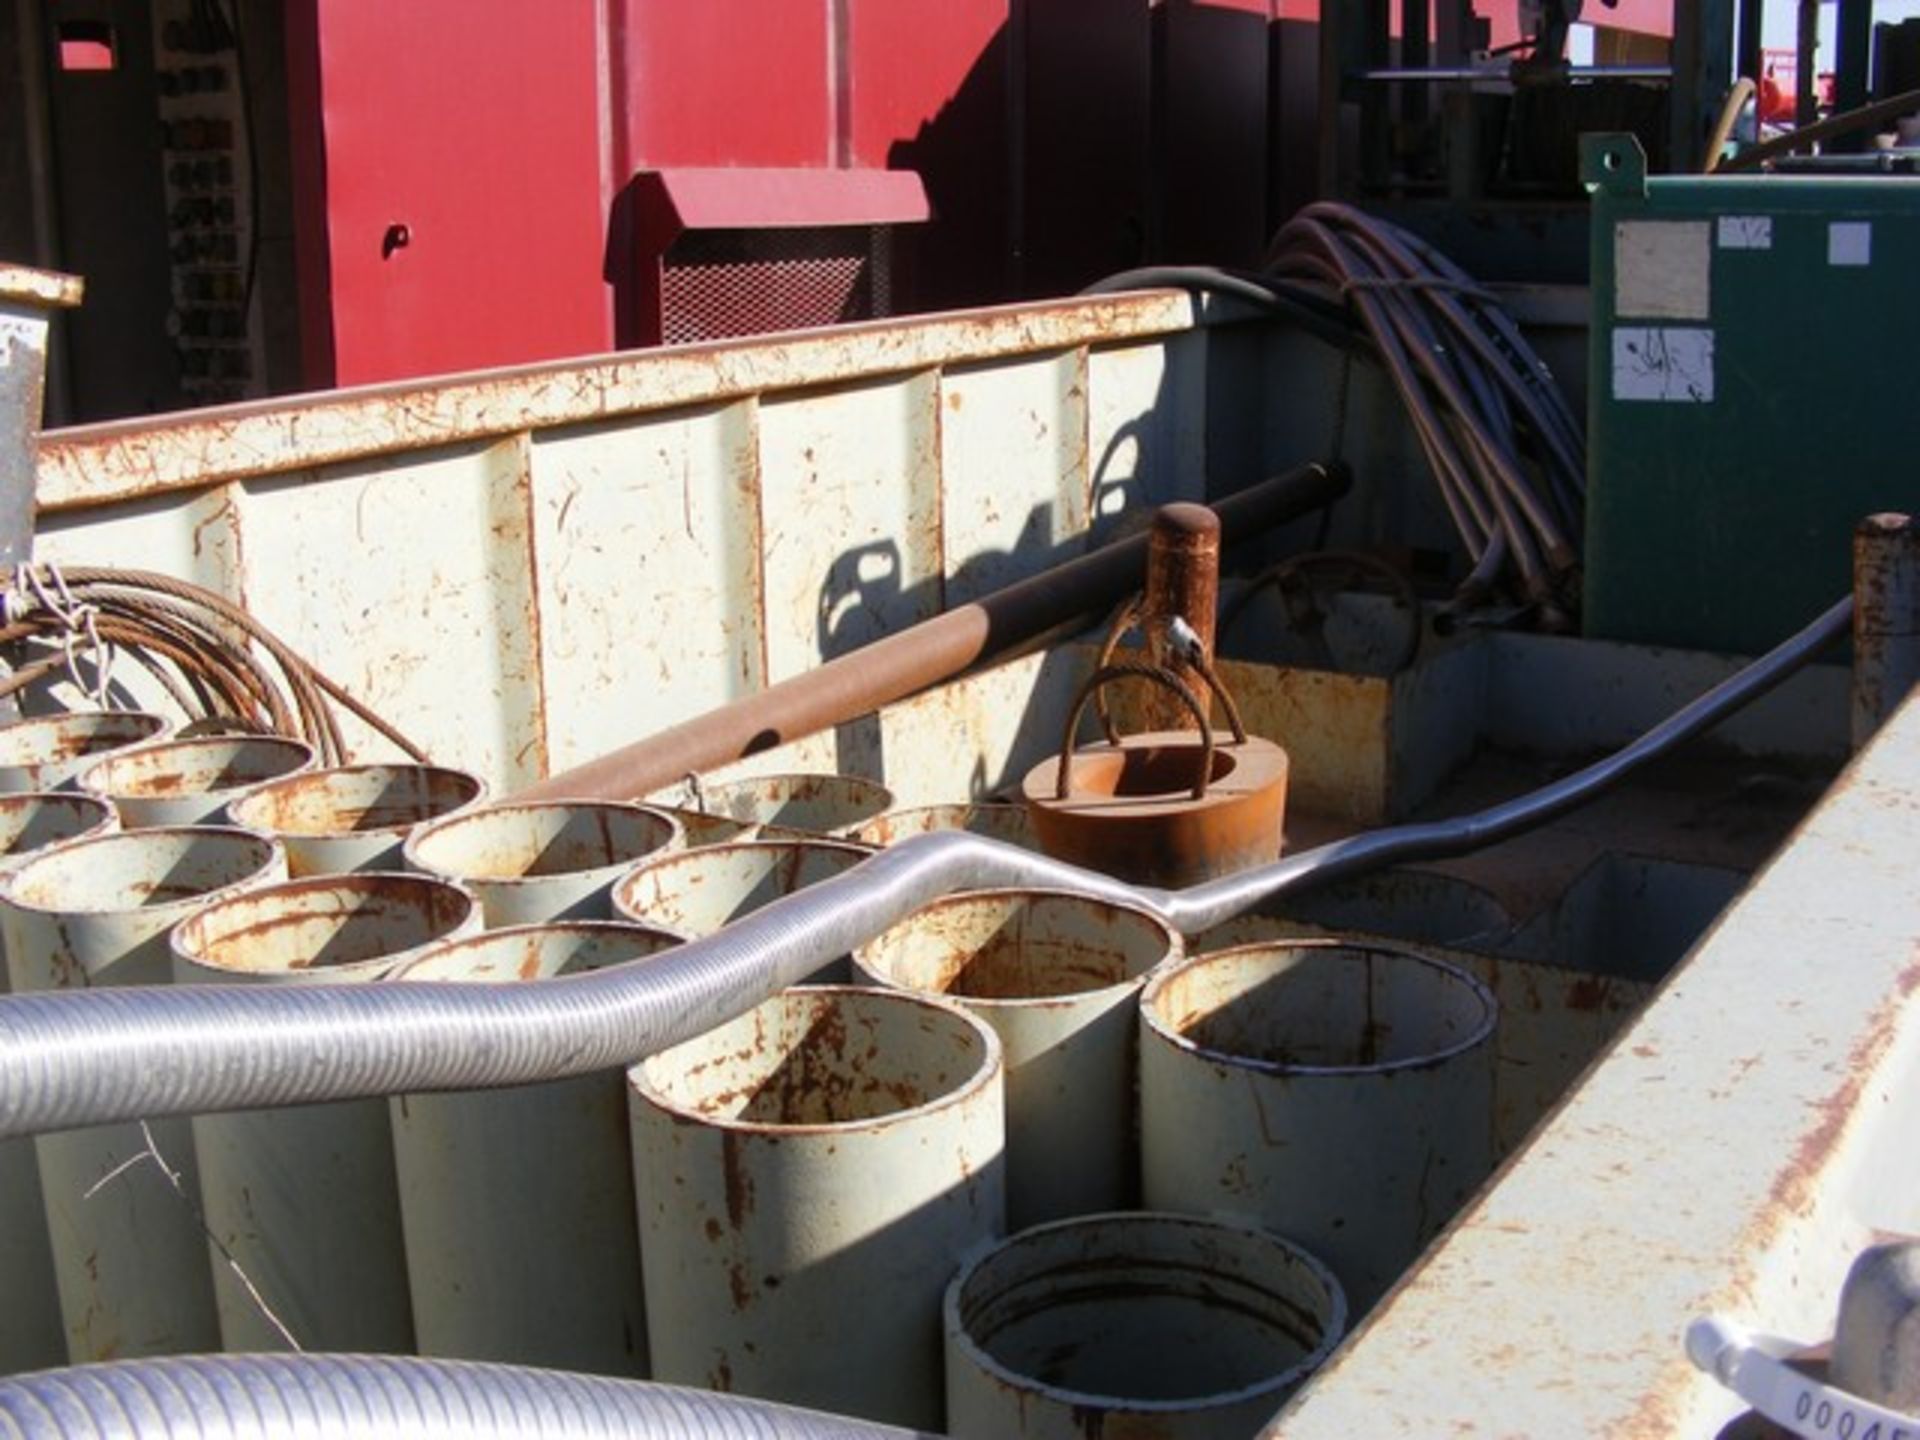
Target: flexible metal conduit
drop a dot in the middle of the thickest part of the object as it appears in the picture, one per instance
(88, 1057)
(387, 1397)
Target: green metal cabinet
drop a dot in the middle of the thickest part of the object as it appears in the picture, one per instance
(1752, 393)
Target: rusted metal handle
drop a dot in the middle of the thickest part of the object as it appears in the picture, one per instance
(1124, 669)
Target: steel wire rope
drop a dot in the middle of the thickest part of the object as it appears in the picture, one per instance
(227, 667)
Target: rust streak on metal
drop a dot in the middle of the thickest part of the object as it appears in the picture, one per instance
(739, 1188)
(534, 758)
(1797, 1186)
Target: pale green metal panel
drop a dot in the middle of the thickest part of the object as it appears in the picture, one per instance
(1751, 345)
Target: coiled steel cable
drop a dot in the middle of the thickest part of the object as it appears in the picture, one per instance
(214, 660)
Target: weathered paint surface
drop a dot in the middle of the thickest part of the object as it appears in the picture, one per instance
(101, 463)
(304, 1200)
(830, 1147)
(1135, 1326)
(30, 1335)
(585, 552)
(1746, 1135)
(697, 892)
(1337, 1092)
(47, 751)
(794, 806)
(1058, 978)
(130, 1255)
(190, 782)
(26, 299)
(518, 1205)
(632, 623)
(1552, 1020)
(353, 817)
(539, 862)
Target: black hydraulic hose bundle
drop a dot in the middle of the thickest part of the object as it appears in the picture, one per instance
(1505, 449)
(1507, 453)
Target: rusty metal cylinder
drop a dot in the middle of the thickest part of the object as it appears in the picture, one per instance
(522, 1239)
(698, 892)
(1183, 582)
(1058, 977)
(1886, 619)
(47, 751)
(699, 827)
(191, 781)
(122, 1200)
(302, 1202)
(30, 1335)
(791, 806)
(1008, 823)
(1338, 1094)
(1179, 1327)
(353, 817)
(809, 1175)
(1130, 811)
(538, 861)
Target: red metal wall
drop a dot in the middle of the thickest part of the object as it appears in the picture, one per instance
(1057, 139)
(721, 82)
(928, 90)
(475, 124)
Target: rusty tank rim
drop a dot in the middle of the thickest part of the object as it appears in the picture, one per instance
(194, 939)
(243, 810)
(1175, 950)
(422, 835)
(1006, 820)
(991, 1064)
(457, 949)
(258, 852)
(104, 778)
(74, 735)
(1332, 1331)
(1477, 1035)
(625, 907)
(868, 800)
(19, 809)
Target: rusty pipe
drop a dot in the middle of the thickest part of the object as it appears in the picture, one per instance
(1886, 619)
(1183, 582)
(896, 666)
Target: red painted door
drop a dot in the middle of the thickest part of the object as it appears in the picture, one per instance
(452, 197)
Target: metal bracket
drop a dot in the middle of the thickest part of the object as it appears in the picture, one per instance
(1613, 165)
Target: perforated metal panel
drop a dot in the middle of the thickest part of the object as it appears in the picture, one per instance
(721, 283)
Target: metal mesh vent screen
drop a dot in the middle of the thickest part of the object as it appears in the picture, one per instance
(721, 283)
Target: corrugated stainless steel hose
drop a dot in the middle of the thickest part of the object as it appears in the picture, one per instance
(386, 1397)
(78, 1058)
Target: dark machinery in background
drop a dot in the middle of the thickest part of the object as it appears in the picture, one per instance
(1479, 151)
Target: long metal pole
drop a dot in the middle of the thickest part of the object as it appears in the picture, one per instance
(920, 656)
